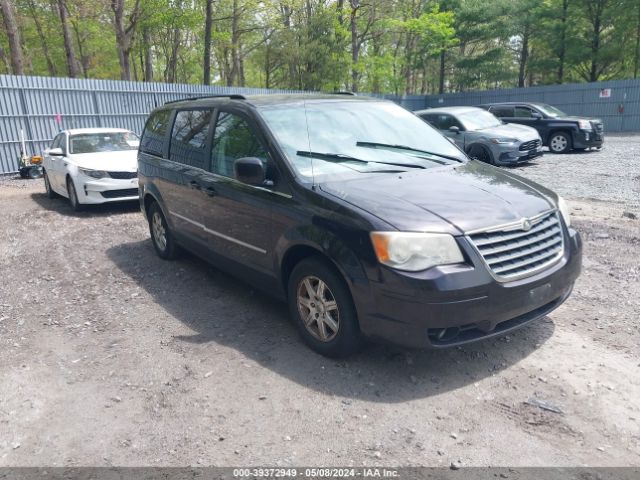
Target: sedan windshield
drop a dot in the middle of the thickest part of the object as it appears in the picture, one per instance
(336, 139)
(103, 142)
(551, 111)
(478, 120)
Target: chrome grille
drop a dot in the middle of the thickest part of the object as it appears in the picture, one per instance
(529, 145)
(513, 253)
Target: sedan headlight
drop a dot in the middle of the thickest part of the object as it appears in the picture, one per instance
(584, 125)
(415, 251)
(564, 210)
(502, 141)
(93, 173)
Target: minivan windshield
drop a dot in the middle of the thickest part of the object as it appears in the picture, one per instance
(478, 119)
(550, 111)
(103, 142)
(337, 139)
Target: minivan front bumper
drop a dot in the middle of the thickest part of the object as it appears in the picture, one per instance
(454, 305)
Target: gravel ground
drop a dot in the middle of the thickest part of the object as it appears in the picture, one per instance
(110, 356)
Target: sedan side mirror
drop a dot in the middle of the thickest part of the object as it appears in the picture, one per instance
(249, 170)
(454, 129)
(55, 152)
(536, 115)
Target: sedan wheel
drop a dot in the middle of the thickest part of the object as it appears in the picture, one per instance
(76, 206)
(559, 143)
(47, 186)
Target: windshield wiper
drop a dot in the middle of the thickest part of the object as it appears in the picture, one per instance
(409, 149)
(341, 157)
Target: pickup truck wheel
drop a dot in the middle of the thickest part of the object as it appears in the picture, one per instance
(560, 142)
(321, 305)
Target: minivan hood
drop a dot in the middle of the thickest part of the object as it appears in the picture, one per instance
(122, 161)
(452, 199)
(513, 130)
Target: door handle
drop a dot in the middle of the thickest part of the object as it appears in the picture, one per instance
(210, 191)
(194, 184)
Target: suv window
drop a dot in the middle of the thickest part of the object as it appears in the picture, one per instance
(57, 142)
(233, 139)
(154, 133)
(443, 121)
(523, 112)
(502, 111)
(189, 137)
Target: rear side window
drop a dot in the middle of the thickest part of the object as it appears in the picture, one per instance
(502, 111)
(430, 119)
(155, 132)
(522, 112)
(189, 137)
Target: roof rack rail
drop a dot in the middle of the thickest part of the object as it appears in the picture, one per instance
(343, 92)
(232, 96)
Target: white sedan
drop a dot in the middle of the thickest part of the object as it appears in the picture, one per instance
(92, 165)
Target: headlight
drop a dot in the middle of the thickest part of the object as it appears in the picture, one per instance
(584, 125)
(415, 251)
(93, 173)
(564, 210)
(501, 141)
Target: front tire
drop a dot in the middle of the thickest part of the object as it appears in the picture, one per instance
(321, 305)
(560, 142)
(76, 206)
(161, 237)
(481, 154)
(47, 186)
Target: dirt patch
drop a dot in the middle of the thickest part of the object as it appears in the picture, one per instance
(111, 356)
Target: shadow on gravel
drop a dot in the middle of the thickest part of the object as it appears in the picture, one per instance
(225, 311)
(61, 205)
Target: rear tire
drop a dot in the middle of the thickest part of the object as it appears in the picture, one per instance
(76, 206)
(161, 237)
(559, 142)
(47, 186)
(321, 305)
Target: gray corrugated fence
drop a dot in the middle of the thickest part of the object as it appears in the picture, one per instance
(620, 111)
(35, 104)
(41, 106)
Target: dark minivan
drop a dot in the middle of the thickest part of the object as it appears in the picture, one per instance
(368, 221)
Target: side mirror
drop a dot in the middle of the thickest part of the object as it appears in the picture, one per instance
(55, 152)
(536, 115)
(454, 129)
(249, 170)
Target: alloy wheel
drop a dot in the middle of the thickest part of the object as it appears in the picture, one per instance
(558, 143)
(318, 308)
(159, 232)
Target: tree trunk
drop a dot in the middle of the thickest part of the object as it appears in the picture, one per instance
(148, 60)
(51, 67)
(208, 23)
(563, 41)
(595, 44)
(125, 35)
(636, 58)
(13, 36)
(442, 69)
(355, 47)
(69, 49)
(524, 56)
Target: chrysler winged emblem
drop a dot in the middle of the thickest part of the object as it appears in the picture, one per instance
(526, 225)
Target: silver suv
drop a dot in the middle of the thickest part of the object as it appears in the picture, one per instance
(483, 136)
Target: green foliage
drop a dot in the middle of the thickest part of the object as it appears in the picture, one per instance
(401, 46)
